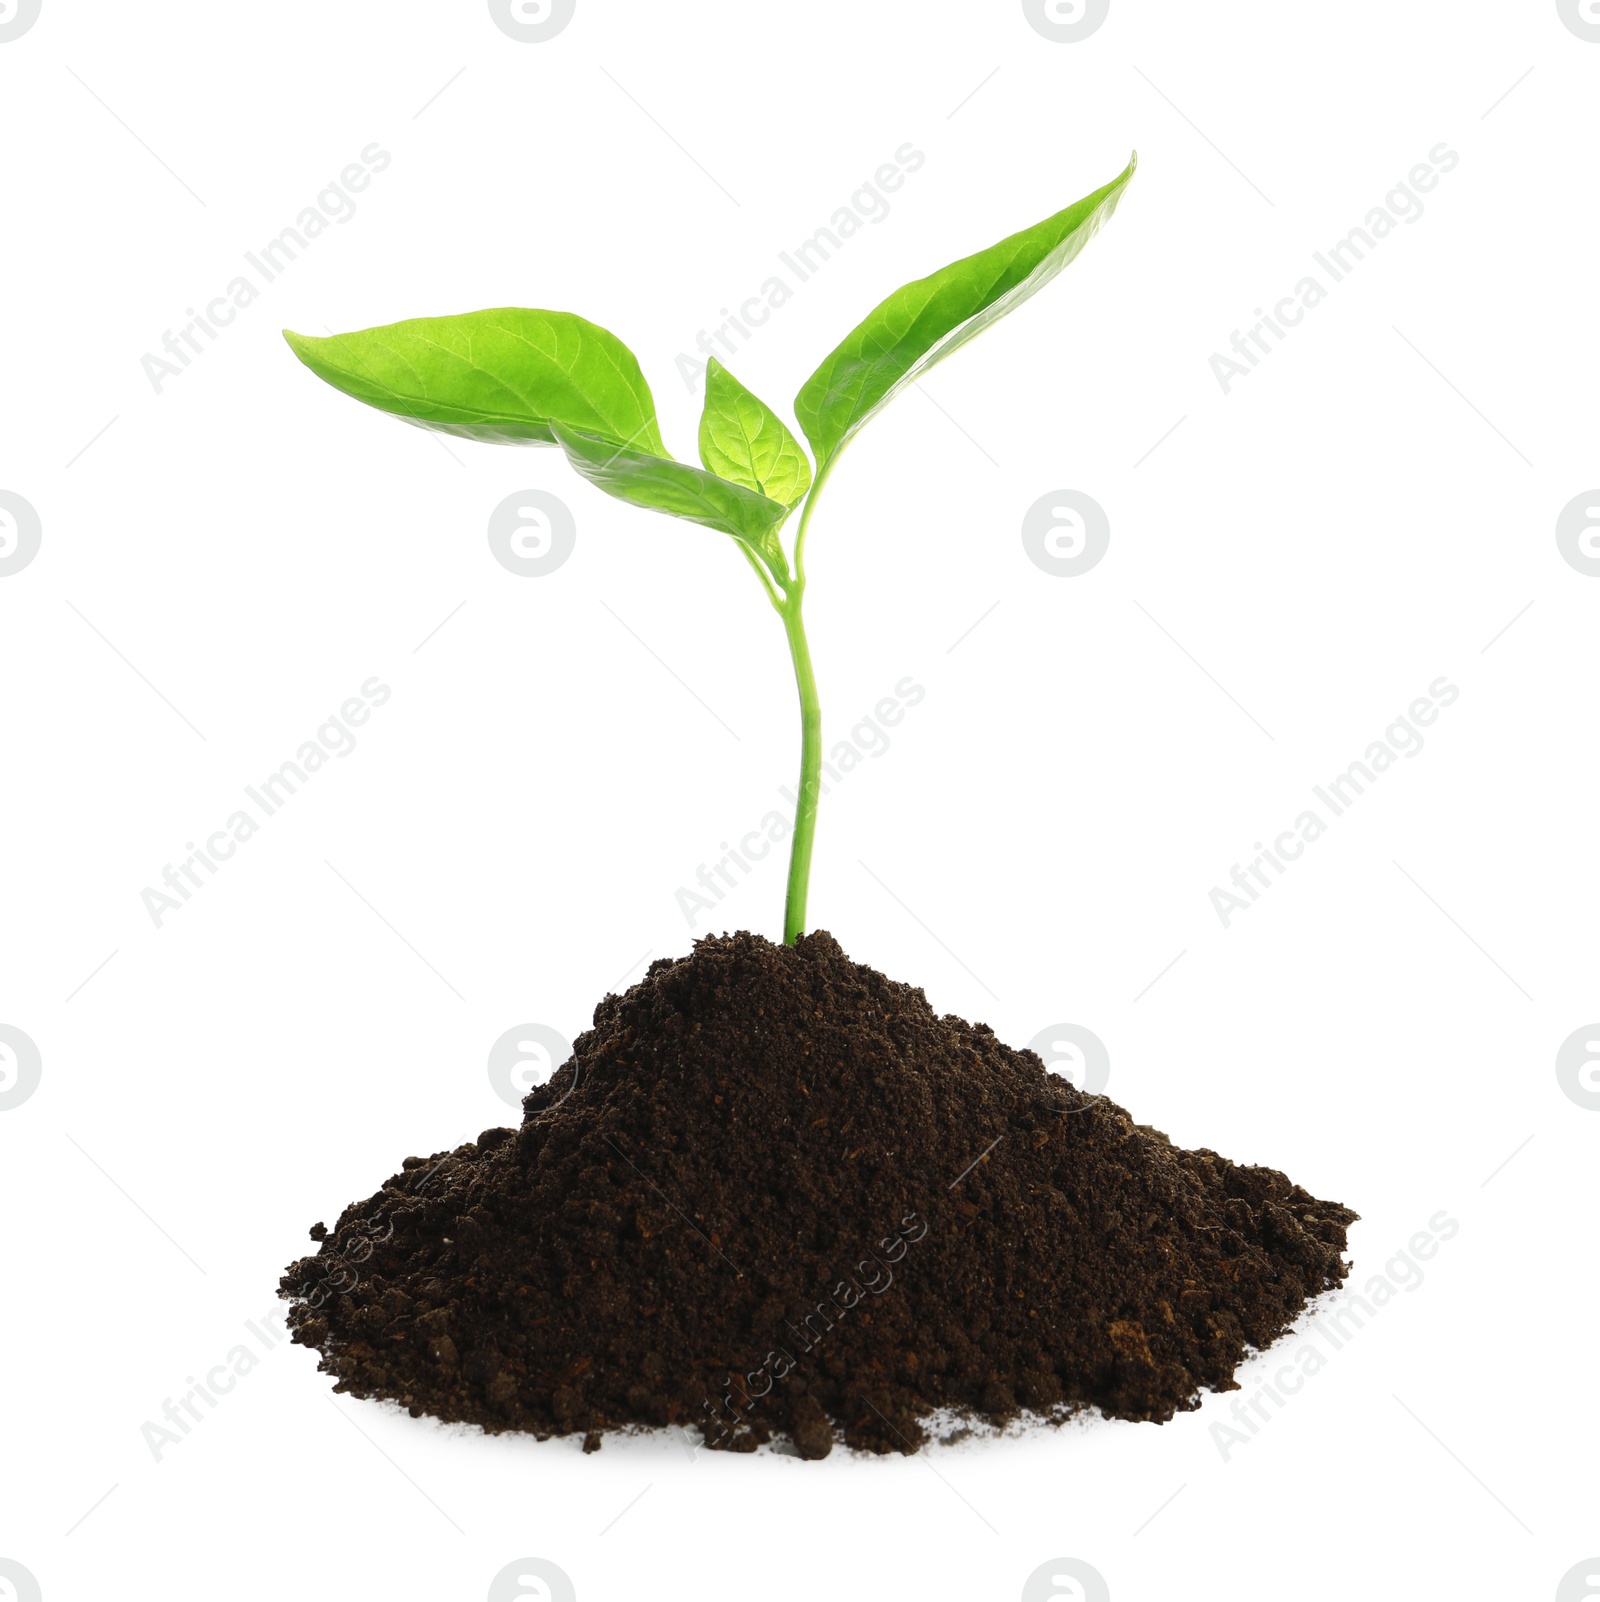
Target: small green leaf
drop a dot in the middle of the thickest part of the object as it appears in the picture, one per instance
(502, 376)
(663, 485)
(743, 440)
(923, 322)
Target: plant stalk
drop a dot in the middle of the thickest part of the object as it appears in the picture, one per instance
(810, 791)
(806, 798)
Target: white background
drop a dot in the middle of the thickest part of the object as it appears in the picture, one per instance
(1289, 568)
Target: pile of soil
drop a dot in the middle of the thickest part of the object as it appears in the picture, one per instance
(773, 1195)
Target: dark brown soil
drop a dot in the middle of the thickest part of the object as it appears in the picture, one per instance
(773, 1195)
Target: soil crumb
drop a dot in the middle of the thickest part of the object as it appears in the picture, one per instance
(773, 1196)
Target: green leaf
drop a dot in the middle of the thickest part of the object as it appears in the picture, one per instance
(663, 485)
(743, 440)
(502, 376)
(925, 321)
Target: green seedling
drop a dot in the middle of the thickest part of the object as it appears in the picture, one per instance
(519, 377)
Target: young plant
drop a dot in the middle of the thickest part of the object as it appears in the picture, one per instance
(517, 377)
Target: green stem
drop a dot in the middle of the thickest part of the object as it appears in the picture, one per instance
(810, 791)
(793, 588)
(805, 812)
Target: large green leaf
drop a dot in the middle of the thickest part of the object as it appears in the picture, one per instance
(925, 321)
(743, 439)
(503, 376)
(663, 485)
